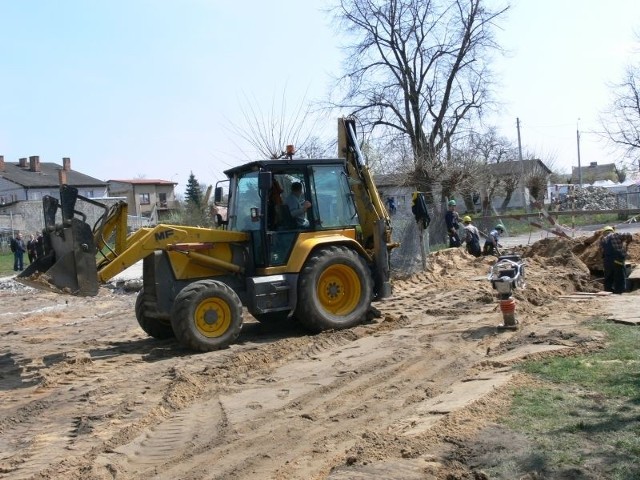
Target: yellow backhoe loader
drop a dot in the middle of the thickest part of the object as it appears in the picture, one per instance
(323, 266)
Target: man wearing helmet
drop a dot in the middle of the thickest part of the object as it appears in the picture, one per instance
(451, 218)
(614, 253)
(491, 245)
(471, 237)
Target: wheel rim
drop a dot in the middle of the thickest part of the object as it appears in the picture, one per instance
(213, 317)
(339, 289)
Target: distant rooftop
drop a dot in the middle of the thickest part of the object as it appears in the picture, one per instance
(32, 173)
(145, 181)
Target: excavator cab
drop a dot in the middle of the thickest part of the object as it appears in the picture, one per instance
(262, 203)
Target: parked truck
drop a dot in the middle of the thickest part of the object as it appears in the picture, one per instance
(196, 280)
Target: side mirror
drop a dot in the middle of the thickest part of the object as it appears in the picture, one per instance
(217, 195)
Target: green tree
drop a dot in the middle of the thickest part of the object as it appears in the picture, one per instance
(193, 192)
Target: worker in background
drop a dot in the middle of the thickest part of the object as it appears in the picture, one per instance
(452, 218)
(297, 204)
(614, 252)
(391, 205)
(420, 210)
(18, 248)
(31, 249)
(492, 244)
(471, 237)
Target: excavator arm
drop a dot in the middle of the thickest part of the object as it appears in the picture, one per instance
(374, 218)
(78, 258)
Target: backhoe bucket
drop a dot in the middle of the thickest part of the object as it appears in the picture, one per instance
(69, 264)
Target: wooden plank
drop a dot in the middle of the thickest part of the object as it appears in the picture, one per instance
(626, 321)
(577, 213)
(586, 295)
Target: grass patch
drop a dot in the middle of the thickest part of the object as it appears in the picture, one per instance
(585, 421)
(6, 264)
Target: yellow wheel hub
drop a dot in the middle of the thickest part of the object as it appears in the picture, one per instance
(213, 317)
(339, 289)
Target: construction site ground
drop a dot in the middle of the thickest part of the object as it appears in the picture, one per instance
(87, 395)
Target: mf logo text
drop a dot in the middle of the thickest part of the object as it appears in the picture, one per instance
(163, 235)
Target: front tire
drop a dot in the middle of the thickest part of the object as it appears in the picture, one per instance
(153, 326)
(334, 290)
(206, 316)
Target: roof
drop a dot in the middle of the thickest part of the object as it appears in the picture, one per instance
(517, 167)
(281, 163)
(393, 180)
(502, 168)
(47, 176)
(594, 171)
(144, 181)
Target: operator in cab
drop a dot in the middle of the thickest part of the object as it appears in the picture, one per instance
(298, 206)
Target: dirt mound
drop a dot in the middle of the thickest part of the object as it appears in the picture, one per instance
(456, 283)
(581, 253)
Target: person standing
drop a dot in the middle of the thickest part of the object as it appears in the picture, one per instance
(614, 252)
(491, 244)
(471, 237)
(18, 248)
(31, 249)
(451, 218)
(391, 205)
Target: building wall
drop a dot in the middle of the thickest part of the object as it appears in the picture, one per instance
(143, 198)
(28, 216)
(10, 192)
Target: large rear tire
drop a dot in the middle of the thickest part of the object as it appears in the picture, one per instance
(207, 315)
(153, 326)
(334, 290)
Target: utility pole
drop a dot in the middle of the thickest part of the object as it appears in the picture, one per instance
(524, 193)
(579, 166)
(519, 141)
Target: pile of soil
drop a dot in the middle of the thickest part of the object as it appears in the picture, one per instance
(583, 252)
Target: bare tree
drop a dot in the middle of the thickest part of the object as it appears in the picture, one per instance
(419, 68)
(507, 185)
(461, 170)
(621, 122)
(316, 147)
(491, 148)
(270, 133)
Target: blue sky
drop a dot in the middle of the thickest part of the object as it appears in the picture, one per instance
(131, 88)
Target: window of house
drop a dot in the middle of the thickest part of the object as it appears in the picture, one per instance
(145, 199)
(162, 199)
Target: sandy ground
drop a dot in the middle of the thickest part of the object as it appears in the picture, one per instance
(87, 395)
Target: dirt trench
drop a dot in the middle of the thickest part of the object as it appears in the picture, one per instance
(86, 395)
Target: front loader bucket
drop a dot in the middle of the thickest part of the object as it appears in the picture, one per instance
(69, 263)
